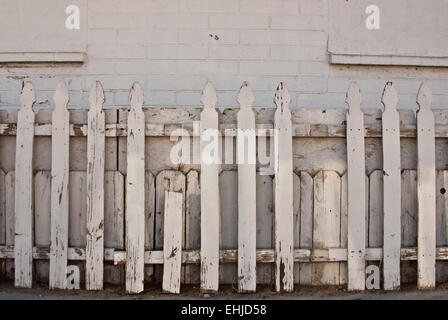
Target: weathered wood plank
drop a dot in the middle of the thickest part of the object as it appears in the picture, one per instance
(95, 189)
(327, 219)
(229, 256)
(343, 268)
(228, 193)
(172, 244)
(135, 193)
(2, 208)
(42, 221)
(23, 242)
(442, 208)
(114, 222)
(426, 183)
(9, 220)
(210, 205)
(306, 223)
(408, 269)
(283, 192)
(356, 190)
(391, 190)
(247, 203)
(59, 188)
(150, 208)
(297, 222)
(441, 222)
(192, 223)
(166, 180)
(265, 225)
(375, 211)
(2, 219)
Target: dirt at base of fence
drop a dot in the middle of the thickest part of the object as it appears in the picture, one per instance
(41, 292)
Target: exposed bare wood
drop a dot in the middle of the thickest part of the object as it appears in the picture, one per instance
(326, 224)
(172, 246)
(306, 223)
(42, 217)
(95, 189)
(426, 182)
(59, 188)
(23, 241)
(192, 222)
(135, 193)
(283, 192)
(10, 220)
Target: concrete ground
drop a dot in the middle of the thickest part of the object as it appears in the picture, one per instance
(40, 292)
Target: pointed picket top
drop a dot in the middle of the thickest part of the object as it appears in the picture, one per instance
(282, 99)
(424, 97)
(61, 96)
(390, 97)
(353, 98)
(96, 96)
(246, 96)
(136, 97)
(209, 98)
(27, 96)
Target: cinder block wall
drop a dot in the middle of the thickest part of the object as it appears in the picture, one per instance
(173, 46)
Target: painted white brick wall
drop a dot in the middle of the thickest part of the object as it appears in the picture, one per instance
(173, 46)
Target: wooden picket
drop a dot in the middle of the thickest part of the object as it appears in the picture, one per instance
(59, 188)
(391, 189)
(135, 193)
(283, 192)
(356, 245)
(210, 225)
(247, 214)
(304, 225)
(172, 244)
(426, 185)
(327, 221)
(23, 241)
(95, 189)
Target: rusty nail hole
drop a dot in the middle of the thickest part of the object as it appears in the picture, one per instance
(442, 190)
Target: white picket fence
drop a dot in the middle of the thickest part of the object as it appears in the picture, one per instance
(327, 199)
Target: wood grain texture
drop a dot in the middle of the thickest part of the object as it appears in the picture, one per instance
(297, 222)
(2, 208)
(426, 182)
(42, 217)
(23, 241)
(172, 242)
(192, 223)
(135, 193)
(391, 189)
(150, 214)
(283, 193)
(166, 180)
(247, 226)
(228, 193)
(210, 203)
(265, 226)
(356, 190)
(114, 190)
(326, 222)
(9, 220)
(306, 223)
(441, 222)
(60, 147)
(95, 189)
